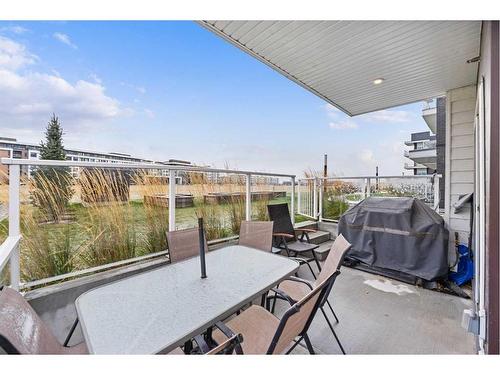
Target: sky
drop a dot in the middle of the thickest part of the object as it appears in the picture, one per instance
(173, 90)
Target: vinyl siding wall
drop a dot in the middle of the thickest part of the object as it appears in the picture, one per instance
(459, 180)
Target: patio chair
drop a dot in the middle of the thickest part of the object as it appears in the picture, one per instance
(285, 236)
(183, 244)
(264, 333)
(229, 346)
(23, 332)
(257, 234)
(294, 289)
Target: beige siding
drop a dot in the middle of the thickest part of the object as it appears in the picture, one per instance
(460, 157)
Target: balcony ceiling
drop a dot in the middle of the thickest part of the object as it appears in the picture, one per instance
(339, 60)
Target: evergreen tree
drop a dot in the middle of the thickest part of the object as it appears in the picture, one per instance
(53, 148)
(52, 186)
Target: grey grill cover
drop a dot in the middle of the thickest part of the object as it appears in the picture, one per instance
(401, 234)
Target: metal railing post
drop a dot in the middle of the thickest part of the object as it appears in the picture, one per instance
(320, 208)
(315, 199)
(292, 201)
(14, 223)
(436, 193)
(248, 198)
(171, 199)
(299, 204)
(368, 187)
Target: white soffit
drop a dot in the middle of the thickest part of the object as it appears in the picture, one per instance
(339, 60)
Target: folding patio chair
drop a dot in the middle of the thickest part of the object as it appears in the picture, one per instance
(183, 244)
(229, 346)
(23, 332)
(294, 289)
(257, 234)
(264, 333)
(285, 236)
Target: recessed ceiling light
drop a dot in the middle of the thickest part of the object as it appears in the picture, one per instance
(378, 81)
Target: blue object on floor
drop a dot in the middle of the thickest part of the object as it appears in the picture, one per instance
(465, 268)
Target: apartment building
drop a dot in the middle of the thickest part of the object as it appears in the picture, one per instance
(11, 148)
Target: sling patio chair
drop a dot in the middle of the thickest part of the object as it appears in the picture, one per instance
(294, 289)
(22, 331)
(183, 244)
(264, 333)
(229, 346)
(285, 236)
(257, 234)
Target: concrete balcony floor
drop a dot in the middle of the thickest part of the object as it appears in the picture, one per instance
(383, 316)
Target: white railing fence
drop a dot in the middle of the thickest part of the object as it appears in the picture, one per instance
(10, 248)
(321, 198)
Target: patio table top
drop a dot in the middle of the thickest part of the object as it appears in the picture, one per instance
(158, 310)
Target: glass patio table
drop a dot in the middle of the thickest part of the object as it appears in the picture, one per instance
(159, 310)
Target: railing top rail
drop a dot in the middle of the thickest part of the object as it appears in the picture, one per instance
(69, 163)
(409, 177)
(6, 249)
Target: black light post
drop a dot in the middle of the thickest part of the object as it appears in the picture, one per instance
(202, 248)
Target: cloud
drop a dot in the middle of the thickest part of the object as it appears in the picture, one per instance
(140, 89)
(94, 77)
(14, 55)
(29, 98)
(366, 156)
(343, 125)
(65, 39)
(332, 111)
(149, 113)
(16, 29)
(386, 115)
(338, 120)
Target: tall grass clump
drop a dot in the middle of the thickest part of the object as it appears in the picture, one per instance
(155, 226)
(236, 203)
(46, 250)
(51, 190)
(215, 216)
(259, 206)
(48, 244)
(109, 222)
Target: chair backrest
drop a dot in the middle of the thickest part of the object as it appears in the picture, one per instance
(280, 215)
(335, 257)
(257, 234)
(232, 344)
(183, 244)
(298, 317)
(21, 329)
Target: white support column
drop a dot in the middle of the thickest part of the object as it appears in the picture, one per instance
(248, 198)
(320, 209)
(436, 193)
(315, 198)
(171, 199)
(368, 187)
(292, 202)
(14, 223)
(299, 204)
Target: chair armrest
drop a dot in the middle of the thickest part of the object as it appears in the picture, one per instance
(233, 338)
(279, 234)
(303, 281)
(225, 329)
(283, 295)
(202, 344)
